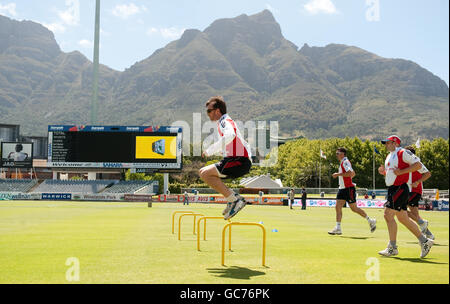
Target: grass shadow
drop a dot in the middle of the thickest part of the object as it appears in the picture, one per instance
(235, 272)
(435, 244)
(357, 237)
(418, 260)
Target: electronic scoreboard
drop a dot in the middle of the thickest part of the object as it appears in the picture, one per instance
(127, 147)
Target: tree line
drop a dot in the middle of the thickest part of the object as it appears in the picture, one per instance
(299, 164)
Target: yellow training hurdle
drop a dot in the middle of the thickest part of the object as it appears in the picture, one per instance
(229, 245)
(173, 218)
(179, 222)
(204, 218)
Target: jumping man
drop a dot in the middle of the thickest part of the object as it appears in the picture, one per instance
(236, 153)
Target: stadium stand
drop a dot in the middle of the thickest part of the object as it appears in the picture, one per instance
(73, 186)
(17, 185)
(142, 187)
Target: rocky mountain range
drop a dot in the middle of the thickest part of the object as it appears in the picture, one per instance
(318, 92)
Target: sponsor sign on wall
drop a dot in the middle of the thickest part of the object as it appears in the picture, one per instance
(97, 197)
(440, 205)
(168, 198)
(216, 199)
(138, 197)
(332, 203)
(57, 196)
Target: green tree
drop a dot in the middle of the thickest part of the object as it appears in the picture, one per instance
(298, 162)
(434, 155)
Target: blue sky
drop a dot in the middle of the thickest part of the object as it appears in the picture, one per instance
(131, 30)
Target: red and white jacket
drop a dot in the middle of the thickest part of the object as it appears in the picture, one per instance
(230, 143)
(414, 176)
(398, 159)
(345, 166)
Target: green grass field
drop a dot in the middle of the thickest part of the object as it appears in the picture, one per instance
(131, 243)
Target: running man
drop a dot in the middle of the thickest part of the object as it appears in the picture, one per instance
(347, 193)
(236, 153)
(415, 183)
(398, 164)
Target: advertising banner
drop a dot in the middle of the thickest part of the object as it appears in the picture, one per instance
(138, 198)
(332, 203)
(440, 205)
(5, 196)
(57, 196)
(217, 199)
(97, 197)
(168, 198)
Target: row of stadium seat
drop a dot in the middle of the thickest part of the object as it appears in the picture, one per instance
(78, 186)
(131, 187)
(72, 186)
(17, 185)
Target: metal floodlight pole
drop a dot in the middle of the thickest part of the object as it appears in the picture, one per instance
(94, 103)
(373, 170)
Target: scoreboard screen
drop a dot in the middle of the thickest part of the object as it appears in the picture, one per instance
(16, 155)
(128, 147)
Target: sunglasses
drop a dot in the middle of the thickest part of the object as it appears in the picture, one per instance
(209, 110)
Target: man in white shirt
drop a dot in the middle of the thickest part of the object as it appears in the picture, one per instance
(236, 153)
(399, 163)
(18, 155)
(291, 197)
(347, 192)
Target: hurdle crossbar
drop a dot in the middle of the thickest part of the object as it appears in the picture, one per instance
(173, 218)
(204, 218)
(243, 224)
(179, 222)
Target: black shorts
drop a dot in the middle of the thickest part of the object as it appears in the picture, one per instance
(398, 197)
(233, 167)
(414, 198)
(347, 194)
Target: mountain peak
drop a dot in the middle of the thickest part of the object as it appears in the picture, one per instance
(259, 31)
(188, 36)
(264, 16)
(27, 38)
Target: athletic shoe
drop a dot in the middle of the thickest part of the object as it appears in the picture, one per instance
(241, 204)
(389, 251)
(373, 224)
(335, 231)
(235, 208)
(429, 235)
(426, 247)
(227, 208)
(424, 226)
